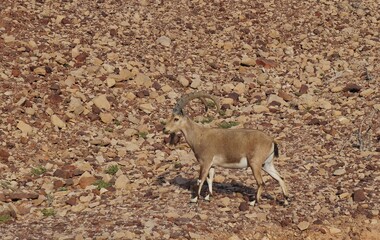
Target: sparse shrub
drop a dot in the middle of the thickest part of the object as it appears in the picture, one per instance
(112, 170)
(38, 171)
(143, 134)
(4, 218)
(48, 212)
(228, 124)
(101, 184)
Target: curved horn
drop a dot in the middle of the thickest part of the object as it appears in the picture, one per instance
(181, 103)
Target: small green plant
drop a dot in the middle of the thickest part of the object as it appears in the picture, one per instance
(101, 184)
(38, 171)
(109, 129)
(62, 189)
(4, 218)
(228, 124)
(177, 165)
(48, 212)
(143, 134)
(207, 119)
(117, 122)
(112, 170)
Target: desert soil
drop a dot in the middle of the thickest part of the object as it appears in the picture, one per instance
(87, 86)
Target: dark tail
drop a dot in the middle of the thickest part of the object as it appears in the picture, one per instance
(276, 153)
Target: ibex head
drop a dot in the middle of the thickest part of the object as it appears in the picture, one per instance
(178, 121)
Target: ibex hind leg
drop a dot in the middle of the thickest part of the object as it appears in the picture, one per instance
(210, 179)
(270, 169)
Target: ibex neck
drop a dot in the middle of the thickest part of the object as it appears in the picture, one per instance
(192, 133)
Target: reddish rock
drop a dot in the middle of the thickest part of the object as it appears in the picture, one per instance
(86, 181)
(2, 197)
(244, 206)
(4, 154)
(63, 174)
(287, 97)
(359, 195)
(303, 89)
(58, 184)
(21, 195)
(352, 87)
(266, 63)
(71, 201)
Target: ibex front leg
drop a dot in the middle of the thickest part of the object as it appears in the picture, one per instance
(202, 178)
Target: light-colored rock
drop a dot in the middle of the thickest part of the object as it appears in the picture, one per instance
(334, 230)
(337, 89)
(367, 92)
(248, 61)
(275, 98)
(240, 88)
(106, 117)
(307, 100)
(40, 71)
(110, 82)
(25, 128)
(196, 81)
(260, 109)
(262, 78)
(102, 102)
(147, 107)
(164, 41)
(56, 121)
(303, 225)
(225, 201)
(228, 87)
(183, 81)
(324, 104)
(339, 172)
(143, 80)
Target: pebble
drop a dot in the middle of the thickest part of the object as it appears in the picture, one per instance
(164, 41)
(183, 81)
(359, 195)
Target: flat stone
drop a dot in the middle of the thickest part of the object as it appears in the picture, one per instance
(122, 182)
(164, 41)
(183, 81)
(106, 117)
(303, 225)
(147, 107)
(248, 61)
(56, 121)
(102, 102)
(24, 127)
(260, 109)
(339, 172)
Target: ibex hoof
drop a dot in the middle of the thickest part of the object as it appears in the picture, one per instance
(286, 203)
(252, 203)
(194, 200)
(207, 198)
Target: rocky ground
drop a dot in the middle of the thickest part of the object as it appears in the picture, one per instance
(86, 86)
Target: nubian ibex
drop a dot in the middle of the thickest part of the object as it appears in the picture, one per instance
(229, 148)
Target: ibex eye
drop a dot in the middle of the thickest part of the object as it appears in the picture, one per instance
(176, 119)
